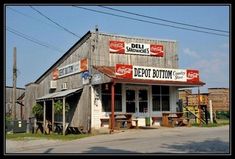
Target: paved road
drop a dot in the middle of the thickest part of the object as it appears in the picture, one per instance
(162, 140)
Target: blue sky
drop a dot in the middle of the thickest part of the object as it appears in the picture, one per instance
(205, 52)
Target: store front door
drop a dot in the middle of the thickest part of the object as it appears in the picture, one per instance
(137, 101)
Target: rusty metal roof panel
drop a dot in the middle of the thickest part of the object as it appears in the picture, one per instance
(59, 94)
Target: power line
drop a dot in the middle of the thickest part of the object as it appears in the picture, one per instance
(97, 11)
(141, 15)
(36, 19)
(32, 39)
(54, 22)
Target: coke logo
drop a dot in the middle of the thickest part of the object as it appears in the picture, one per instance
(156, 48)
(116, 44)
(124, 70)
(193, 75)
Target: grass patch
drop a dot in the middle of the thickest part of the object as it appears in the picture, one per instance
(220, 122)
(29, 136)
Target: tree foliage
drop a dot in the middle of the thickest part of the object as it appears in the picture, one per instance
(58, 107)
(38, 110)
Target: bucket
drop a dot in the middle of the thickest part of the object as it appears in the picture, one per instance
(147, 121)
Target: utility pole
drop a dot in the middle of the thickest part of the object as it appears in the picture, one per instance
(14, 84)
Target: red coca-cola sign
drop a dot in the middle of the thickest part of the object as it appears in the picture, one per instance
(156, 50)
(124, 71)
(192, 76)
(117, 47)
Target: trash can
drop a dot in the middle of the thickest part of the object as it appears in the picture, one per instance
(19, 126)
(147, 121)
(9, 126)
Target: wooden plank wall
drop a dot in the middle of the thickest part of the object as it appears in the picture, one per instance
(80, 117)
(220, 99)
(82, 110)
(30, 99)
(8, 100)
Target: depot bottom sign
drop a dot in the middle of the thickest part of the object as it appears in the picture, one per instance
(153, 73)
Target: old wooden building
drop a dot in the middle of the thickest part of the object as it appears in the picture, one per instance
(104, 74)
(20, 94)
(219, 98)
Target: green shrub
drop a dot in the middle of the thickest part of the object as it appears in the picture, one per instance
(222, 115)
(38, 110)
(58, 107)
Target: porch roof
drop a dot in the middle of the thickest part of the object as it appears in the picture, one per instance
(110, 72)
(60, 94)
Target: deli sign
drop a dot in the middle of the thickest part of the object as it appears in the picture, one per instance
(121, 47)
(153, 73)
(76, 67)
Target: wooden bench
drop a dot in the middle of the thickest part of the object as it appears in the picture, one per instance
(128, 123)
(103, 120)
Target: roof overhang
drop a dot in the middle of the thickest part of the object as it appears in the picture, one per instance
(59, 95)
(110, 72)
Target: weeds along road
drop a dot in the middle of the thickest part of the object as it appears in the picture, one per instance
(192, 140)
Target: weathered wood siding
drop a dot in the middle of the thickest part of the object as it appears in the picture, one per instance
(80, 116)
(30, 99)
(102, 56)
(220, 98)
(8, 101)
(81, 111)
(73, 81)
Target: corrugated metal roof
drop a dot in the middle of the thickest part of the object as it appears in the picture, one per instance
(59, 94)
(110, 72)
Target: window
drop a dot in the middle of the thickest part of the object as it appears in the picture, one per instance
(143, 101)
(161, 98)
(106, 97)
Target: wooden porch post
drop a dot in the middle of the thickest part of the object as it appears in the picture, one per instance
(199, 107)
(53, 117)
(112, 107)
(63, 115)
(44, 116)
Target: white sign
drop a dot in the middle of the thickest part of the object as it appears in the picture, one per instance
(69, 69)
(137, 48)
(153, 73)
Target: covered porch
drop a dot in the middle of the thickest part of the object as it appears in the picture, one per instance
(49, 122)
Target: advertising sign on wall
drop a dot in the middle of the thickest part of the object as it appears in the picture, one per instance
(192, 76)
(124, 71)
(117, 47)
(55, 74)
(136, 48)
(76, 67)
(153, 73)
(83, 65)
